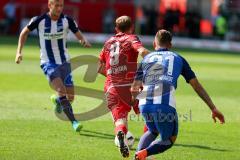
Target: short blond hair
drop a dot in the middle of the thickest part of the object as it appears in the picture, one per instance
(51, 1)
(163, 37)
(123, 23)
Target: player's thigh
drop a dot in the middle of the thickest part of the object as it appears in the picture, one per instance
(118, 108)
(148, 114)
(53, 73)
(166, 123)
(66, 76)
(58, 85)
(120, 111)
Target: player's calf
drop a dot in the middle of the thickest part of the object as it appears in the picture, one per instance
(121, 125)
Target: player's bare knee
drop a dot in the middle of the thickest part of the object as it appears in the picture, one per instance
(61, 91)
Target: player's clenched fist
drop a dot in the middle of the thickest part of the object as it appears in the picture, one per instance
(18, 58)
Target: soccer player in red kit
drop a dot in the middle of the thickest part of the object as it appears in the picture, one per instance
(118, 62)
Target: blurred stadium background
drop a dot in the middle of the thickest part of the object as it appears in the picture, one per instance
(207, 34)
(211, 20)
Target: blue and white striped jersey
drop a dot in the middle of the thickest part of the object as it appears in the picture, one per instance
(53, 36)
(159, 72)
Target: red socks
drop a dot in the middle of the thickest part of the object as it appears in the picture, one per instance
(122, 128)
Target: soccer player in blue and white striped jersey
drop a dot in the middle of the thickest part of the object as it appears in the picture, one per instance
(158, 74)
(53, 28)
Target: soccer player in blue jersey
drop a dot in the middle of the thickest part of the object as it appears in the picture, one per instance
(53, 28)
(158, 74)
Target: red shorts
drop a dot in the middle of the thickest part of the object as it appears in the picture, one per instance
(119, 102)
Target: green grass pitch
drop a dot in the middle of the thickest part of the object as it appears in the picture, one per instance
(29, 128)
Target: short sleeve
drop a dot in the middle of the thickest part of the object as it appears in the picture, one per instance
(139, 73)
(187, 72)
(72, 25)
(33, 24)
(136, 43)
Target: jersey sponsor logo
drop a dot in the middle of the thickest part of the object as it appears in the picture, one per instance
(50, 36)
(156, 79)
(117, 70)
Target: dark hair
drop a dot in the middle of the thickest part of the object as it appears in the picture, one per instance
(164, 36)
(123, 23)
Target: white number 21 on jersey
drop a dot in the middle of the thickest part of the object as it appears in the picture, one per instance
(114, 53)
(170, 64)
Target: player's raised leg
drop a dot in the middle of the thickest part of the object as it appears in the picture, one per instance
(63, 101)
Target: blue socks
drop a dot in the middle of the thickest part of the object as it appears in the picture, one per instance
(67, 108)
(146, 139)
(159, 146)
(153, 146)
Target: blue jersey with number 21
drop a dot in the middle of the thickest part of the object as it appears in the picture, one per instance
(159, 72)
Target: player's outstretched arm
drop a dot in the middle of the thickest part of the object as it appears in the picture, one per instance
(22, 39)
(206, 98)
(143, 51)
(82, 40)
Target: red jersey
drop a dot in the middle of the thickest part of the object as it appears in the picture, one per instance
(120, 56)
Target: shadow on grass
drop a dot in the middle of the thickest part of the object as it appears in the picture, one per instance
(196, 146)
(95, 134)
(200, 147)
(102, 135)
